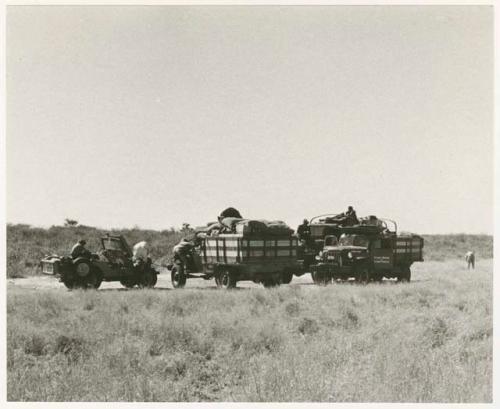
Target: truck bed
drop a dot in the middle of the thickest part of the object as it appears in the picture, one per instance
(237, 248)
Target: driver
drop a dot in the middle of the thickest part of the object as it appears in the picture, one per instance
(184, 250)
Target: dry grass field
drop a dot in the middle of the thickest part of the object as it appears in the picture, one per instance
(426, 341)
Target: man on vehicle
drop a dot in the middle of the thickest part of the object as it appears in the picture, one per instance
(79, 250)
(184, 250)
(304, 231)
(351, 218)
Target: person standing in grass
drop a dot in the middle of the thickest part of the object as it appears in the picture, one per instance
(470, 258)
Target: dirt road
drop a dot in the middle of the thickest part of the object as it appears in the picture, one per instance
(43, 282)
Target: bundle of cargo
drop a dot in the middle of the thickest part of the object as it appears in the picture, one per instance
(277, 228)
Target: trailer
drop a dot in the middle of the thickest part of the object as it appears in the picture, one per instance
(229, 258)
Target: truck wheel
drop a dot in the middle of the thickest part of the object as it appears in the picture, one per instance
(270, 283)
(320, 278)
(363, 275)
(218, 279)
(227, 280)
(286, 277)
(148, 279)
(404, 275)
(128, 283)
(178, 277)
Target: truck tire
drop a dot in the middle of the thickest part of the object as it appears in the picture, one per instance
(405, 275)
(227, 279)
(148, 279)
(270, 283)
(320, 277)
(177, 276)
(128, 283)
(363, 274)
(286, 277)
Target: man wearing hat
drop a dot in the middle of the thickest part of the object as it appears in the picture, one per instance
(79, 250)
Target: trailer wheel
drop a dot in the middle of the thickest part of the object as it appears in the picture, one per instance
(128, 283)
(148, 279)
(227, 280)
(404, 275)
(177, 276)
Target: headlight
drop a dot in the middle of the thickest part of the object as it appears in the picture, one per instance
(349, 255)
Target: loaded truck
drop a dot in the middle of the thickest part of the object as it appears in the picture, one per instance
(249, 252)
(368, 251)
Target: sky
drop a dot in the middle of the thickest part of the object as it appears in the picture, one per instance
(155, 116)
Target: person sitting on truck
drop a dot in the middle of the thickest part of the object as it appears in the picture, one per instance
(304, 231)
(351, 218)
(79, 250)
(184, 250)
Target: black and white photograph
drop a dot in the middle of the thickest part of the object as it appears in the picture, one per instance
(219, 202)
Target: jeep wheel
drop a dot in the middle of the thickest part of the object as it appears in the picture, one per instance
(82, 268)
(177, 276)
(69, 283)
(404, 275)
(148, 279)
(93, 281)
(90, 282)
(227, 280)
(286, 277)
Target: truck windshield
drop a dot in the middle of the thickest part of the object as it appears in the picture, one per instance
(353, 240)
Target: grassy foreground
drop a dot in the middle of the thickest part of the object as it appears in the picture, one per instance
(427, 341)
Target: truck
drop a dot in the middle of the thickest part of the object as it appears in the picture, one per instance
(232, 257)
(367, 251)
(367, 255)
(114, 262)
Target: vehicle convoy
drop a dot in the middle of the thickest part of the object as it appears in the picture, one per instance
(252, 250)
(115, 262)
(366, 251)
